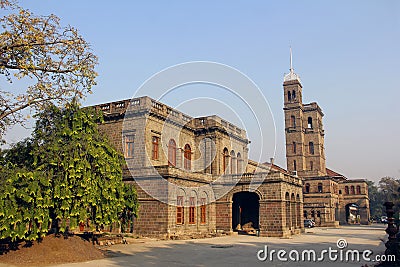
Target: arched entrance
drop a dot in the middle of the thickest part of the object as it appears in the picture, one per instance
(245, 210)
(352, 213)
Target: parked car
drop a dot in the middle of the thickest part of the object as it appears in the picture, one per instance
(384, 219)
(308, 223)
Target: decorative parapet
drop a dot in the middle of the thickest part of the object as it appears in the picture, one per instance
(148, 104)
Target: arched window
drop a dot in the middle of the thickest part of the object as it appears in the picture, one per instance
(192, 210)
(155, 143)
(293, 121)
(294, 165)
(311, 165)
(307, 188)
(187, 157)
(305, 214)
(233, 162)
(358, 188)
(289, 96)
(172, 153)
(239, 163)
(294, 95)
(318, 213)
(320, 188)
(203, 211)
(309, 123)
(225, 159)
(352, 189)
(179, 210)
(346, 190)
(311, 148)
(294, 148)
(312, 214)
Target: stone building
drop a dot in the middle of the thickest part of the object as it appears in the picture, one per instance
(329, 197)
(193, 175)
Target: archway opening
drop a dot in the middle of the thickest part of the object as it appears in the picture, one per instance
(245, 211)
(352, 213)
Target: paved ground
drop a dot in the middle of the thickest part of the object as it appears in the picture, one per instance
(242, 250)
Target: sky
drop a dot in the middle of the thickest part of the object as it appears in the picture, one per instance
(346, 53)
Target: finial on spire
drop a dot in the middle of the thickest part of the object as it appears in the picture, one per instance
(291, 60)
(291, 76)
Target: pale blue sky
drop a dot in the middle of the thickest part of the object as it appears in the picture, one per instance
(346, 52)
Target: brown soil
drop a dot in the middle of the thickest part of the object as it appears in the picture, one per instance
(52, 250)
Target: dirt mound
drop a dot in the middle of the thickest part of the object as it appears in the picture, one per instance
(52, 250)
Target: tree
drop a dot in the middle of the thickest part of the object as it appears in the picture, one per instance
(70, 164)
(390, 188)
(376, 200)
(56, 61)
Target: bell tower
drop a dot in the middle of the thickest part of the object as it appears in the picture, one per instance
(293, 108)
(303, 129)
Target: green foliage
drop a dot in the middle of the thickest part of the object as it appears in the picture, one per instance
(24, 206)
(131, 206)
(387, 190)
(67, 173)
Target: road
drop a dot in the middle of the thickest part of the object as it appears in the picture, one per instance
(242, 250)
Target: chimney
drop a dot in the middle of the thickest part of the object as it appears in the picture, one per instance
(272, 161)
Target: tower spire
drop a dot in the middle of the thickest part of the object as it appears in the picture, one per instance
(291, 76)
(291, 60)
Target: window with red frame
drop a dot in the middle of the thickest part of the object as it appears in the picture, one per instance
(192, 209)
(203, 211)
(155, 142)
(179, 210)
(358, 188)
(187, 157)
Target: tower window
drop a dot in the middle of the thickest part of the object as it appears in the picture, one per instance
(320, 188)
(293, 121)
(294, 165)
(346, 190)
(352, 189)
(289, 96)
(294, 148)
(307, 188)
(294, 95)
(311, 148)
(309, 124)
(358, 188)
(311, 166)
